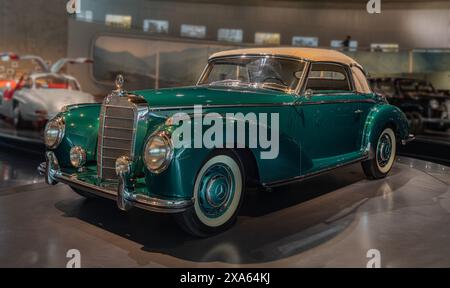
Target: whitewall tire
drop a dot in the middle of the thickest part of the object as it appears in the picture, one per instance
(385, 152)
(218, 194)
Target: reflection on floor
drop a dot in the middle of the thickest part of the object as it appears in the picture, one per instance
(431, 146)
(17, 168)
(27, 134)
(329, 221)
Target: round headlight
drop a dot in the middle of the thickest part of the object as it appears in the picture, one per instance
(434, 104)
(77, 156)
(54, 132)
(158, 152)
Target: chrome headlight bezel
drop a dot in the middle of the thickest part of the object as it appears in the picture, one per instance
(167, 156)
(77, 156)
(58, 126)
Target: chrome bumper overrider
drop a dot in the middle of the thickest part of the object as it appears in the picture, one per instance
(125, 197)
(408, 139)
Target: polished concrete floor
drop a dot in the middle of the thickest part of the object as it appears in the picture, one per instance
(329, 221)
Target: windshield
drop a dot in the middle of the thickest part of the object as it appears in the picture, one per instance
(52, 82)
(259, 72)
(386, 87)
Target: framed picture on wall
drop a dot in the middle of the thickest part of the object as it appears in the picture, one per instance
(353, 45)
(156, 26)
(230, 35)
(193, 31)
(120, 21)
(263, 38)
(305, 41)
(384, 47)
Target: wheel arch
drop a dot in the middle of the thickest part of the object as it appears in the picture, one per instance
(380, 117)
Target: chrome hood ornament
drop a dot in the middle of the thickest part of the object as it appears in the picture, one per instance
(119, 86)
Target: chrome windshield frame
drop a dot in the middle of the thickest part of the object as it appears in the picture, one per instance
(295, 92)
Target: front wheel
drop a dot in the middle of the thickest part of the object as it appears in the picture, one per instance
(17, 117)
(218, 194)
(385, 152)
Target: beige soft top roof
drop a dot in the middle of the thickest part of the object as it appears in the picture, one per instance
(313, 54)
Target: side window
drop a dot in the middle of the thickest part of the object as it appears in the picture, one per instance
(328, 77)
(361, 84)
(28, 83)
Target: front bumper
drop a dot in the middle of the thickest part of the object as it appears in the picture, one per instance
(125, 197)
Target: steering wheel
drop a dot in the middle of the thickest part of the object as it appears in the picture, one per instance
(276, 79)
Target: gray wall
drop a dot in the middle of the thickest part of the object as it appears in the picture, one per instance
(412, 25)
(34, 27)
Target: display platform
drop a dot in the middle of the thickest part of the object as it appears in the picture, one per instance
(332, 220)
(431, 146)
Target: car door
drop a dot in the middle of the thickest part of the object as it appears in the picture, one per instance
(329, 116)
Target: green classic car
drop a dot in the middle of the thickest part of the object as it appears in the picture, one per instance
(260, 117)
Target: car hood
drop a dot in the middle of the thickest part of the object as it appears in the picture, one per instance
(55, 99)
(201, 95)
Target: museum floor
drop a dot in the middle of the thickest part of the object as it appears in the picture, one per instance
(329, 221)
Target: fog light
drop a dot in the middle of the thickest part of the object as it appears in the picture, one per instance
(123, 165)
(77, 156)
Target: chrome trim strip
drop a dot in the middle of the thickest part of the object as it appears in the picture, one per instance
(154, 109)
(312, 174)
(281, 56)
(115, 138)
(118, 128)
(187, 107)
(138, 200)
(342, 101)
(115, 117)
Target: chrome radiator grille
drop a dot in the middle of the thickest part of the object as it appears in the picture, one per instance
(116, 135)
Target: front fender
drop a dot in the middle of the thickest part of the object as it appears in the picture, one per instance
(82, 124)
(378, 118)
(178, 180)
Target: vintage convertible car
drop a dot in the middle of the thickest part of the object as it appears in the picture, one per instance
(322, 113)
(38, 97)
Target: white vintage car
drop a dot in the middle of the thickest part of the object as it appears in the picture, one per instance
(38, 97)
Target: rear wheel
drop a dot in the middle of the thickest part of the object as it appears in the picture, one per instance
(218, 194)
(385, 152)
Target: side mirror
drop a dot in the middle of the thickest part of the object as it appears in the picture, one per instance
(309, 93)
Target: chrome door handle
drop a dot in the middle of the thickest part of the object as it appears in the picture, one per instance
(358, 111)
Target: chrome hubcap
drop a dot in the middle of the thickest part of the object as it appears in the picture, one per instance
(216, 190)
(384, 150)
